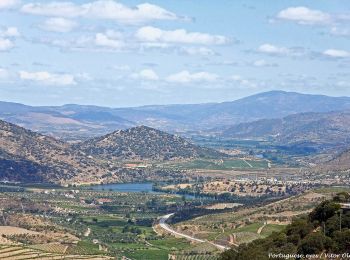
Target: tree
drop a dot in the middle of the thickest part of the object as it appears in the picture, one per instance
(324, 211)
(312, 244)
(342, 197)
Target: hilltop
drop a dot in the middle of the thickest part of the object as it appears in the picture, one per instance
(143, 142)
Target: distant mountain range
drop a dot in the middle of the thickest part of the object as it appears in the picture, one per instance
(143, 143)
(27, 156)
(324, 130)
(77, 122)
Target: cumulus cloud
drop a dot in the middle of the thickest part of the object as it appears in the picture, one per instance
(58, 24)
(273, 49)
(48, 78)
(334, 53)
(6, 44)
(7, 35)
(153, 34)
(109, 39)
(9, 32)
(146, 74)
(5, 4)
(103, 9)
(304, 15)
(187, 77)
(243, 82)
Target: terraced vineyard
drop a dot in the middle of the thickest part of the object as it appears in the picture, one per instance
(37, 252)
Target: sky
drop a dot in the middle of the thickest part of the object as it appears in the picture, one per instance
(131, 53)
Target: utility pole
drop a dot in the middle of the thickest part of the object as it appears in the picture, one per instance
(340, 213)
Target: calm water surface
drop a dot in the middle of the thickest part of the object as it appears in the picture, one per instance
(126, 187)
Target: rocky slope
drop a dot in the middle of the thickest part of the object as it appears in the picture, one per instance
(143, 143)
(32, 157)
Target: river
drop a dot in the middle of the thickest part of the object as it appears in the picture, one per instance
(137, 187)
(126, 187)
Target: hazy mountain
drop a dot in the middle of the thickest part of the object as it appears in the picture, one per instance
(29, 156)
(69, 122)
(329, 129)
(75, 122)
(143, 143)
(273, 104)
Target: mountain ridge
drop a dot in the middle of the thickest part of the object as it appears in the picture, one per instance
(80, 122)
(327, 129)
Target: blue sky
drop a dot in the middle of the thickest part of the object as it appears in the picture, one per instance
(130, 53)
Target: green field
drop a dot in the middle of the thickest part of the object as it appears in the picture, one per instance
(270, 228)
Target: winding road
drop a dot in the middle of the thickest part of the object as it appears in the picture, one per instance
(165, 226)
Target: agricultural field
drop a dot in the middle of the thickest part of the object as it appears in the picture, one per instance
(43, 252)
(222, 165)
(250, 223)
(91, 224)
(81, 223)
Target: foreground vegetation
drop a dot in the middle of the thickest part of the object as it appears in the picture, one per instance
(325, 230)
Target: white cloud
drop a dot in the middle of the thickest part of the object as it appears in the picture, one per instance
(5, 4)
(203, 51)
(6, 44)
(153, 34)
(273, 49)
(187, 77)
(45, 77)
(103, 9)
(104, 41)
(58, 24)
(146, 74)
(304, 15)
(7, 36)
(243, 82)
(333, 53)
(9, 32)
(64, 9)
(109, 39)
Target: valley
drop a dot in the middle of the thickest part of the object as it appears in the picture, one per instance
(142, 193)
(174, 130)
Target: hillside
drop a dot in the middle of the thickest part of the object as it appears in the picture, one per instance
(341, 162)
(80, 122)
(32, 157)
(322, 231)
(322, 130)
(143, 143)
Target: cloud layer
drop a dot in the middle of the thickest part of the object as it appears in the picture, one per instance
(103, 9)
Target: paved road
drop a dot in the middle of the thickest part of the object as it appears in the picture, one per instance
(165, 226)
